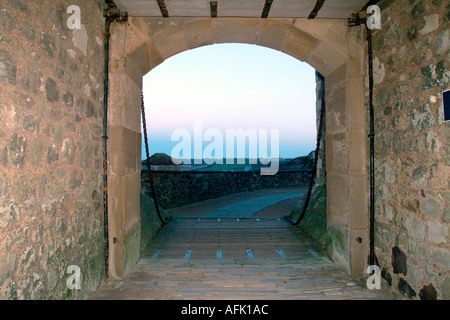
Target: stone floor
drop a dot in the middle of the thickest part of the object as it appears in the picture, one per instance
(245, 259)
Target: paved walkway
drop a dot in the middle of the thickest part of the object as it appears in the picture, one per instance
(254, 202)
(248, 208)
(249, 259)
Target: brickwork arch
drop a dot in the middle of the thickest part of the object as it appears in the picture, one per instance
(329, 46)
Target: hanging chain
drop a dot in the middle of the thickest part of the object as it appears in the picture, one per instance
(316, 157)
(150, 176)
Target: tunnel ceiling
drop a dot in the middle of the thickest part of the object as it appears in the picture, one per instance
(242, 8)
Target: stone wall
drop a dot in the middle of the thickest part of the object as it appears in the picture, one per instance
(51, 87)
(150, 223)
(411, 65)
(179, 188)
(314, 222)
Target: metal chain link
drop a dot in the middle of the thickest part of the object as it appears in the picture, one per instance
(150, 176)
(316, 157)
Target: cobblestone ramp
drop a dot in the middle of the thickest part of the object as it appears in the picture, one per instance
(250, 259)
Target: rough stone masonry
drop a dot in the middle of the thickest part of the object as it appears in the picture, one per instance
(411, 64)
(51, 88)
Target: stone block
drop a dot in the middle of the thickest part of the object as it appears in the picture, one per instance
(358, 252)
(52, 90)
(379, 72)
(433, 75)
(419, 175)
(355, 103)
(431, 208)
(238, 30)
(445, 289)
(130, 140)
(418, 249)
(132, 199)
(170, 42)
(316, 28)
(199, 32)
(116, 204)
(327, 58)
(439, 174)
(302, 45)
(123, 150)
(339, 36)
(273, 34)
(329, 155)
(442, 43)
(415, 227)
(411, 205)
(357, 152)
(431, 24)
(37, 153)
(139, 151)
(359, 203)
(437, 231)
(440, 257)
(124, 102)
(137, 33)
(116, 147)
(68, 151)
(140, 58)
(341, 153)
(338, 195)
(155, 56)
(336, 116)
(296, 50)
(422, 118)
(17, 150)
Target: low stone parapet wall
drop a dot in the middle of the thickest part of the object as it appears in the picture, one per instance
(179, 188)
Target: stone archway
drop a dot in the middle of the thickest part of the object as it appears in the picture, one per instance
(329, 46)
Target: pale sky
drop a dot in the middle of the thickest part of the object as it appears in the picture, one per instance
(232, 86)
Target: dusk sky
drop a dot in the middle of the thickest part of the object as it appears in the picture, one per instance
(232, 86)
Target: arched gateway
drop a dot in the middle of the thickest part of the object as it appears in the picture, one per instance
(328, 45)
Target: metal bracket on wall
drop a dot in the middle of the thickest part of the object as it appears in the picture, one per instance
(357, 19)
